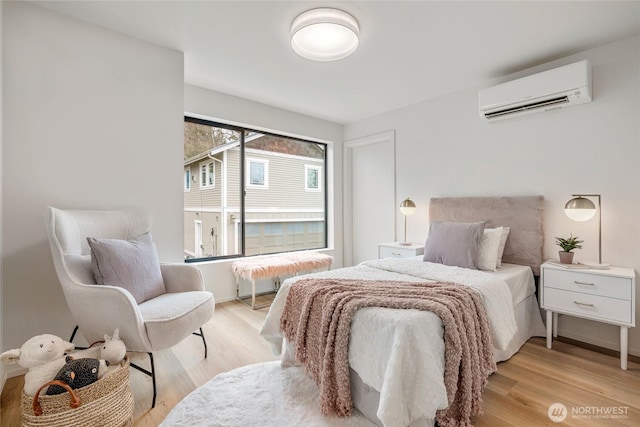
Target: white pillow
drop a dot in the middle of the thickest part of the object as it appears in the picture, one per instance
(503, 241)
(488, 250)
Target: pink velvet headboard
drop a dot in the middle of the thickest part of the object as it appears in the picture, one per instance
(524, 215)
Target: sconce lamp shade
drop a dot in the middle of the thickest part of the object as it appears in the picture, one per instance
(580, 209)
(407, 207)
(324, 34)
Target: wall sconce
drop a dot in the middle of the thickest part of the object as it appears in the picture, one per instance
(407, 208)
(582, 209)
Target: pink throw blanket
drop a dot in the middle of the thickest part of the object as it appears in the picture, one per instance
(317, 320)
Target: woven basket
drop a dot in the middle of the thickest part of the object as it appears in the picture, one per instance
(106, 403)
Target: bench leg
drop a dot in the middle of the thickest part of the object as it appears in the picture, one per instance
(253, 296)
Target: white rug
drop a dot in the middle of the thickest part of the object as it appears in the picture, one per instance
(260, 395)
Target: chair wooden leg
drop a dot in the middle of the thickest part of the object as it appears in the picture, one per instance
(201, 335)
(152, 374)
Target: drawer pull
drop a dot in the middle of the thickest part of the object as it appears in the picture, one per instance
(584, 304)
(583, 283)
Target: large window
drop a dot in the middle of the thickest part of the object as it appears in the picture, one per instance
(251, 193)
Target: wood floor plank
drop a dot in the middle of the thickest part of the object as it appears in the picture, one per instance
(518, 394)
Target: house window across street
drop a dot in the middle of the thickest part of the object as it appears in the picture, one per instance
(311, 178)
(207, 174)
(258, 173)
(187, 180)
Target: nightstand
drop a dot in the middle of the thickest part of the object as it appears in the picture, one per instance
(396, 250)
(607, 296)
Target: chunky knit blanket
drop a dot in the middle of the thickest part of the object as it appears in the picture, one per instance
(317, 320)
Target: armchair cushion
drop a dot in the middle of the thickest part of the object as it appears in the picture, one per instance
(172, 316)
(130, 264)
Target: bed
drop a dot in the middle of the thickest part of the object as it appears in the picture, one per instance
(396, 357)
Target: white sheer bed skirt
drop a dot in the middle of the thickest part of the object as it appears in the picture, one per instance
(529, 320)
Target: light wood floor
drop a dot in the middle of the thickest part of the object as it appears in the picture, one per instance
(519, 394)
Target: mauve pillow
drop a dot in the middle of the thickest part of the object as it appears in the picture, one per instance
(130, 264)
(453, 243)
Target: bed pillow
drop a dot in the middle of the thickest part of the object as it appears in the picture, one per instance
(453, 243)
(503, 241)
(130, 264)
(489, 248)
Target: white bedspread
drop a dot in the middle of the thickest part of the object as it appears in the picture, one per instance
(400, 353)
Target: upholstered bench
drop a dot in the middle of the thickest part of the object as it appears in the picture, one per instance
(290, 263)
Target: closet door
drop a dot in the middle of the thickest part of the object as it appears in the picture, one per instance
(369, 196)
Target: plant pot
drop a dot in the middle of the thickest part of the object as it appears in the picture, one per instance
(565, 257)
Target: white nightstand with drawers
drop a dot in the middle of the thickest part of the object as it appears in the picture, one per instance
(602, 295)
(396, 250)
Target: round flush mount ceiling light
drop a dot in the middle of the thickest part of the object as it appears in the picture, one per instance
(324, 34)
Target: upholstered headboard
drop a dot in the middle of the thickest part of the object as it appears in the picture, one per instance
(524, 215)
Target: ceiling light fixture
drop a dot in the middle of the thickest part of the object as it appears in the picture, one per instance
(324, 34)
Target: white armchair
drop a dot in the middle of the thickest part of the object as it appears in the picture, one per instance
(152, 325)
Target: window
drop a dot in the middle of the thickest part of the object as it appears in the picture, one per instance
(311, 178)
(258, 173)
(252, 198)
(187, 179)
(207, 174)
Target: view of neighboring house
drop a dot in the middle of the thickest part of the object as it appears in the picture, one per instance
(284, 198)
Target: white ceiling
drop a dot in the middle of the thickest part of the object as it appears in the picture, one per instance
(409, 51)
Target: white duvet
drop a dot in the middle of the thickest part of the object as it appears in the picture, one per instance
(400, 353)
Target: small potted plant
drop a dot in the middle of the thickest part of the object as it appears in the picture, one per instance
(567, 245)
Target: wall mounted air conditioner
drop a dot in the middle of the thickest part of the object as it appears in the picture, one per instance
(550, 90)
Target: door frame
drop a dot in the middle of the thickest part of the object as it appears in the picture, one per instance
(387, 137)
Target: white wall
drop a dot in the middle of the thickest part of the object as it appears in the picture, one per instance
(92, 119)
(229, 109)
(3, 375)
(443, 148)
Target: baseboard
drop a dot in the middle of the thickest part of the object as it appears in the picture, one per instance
(581, 342)
(11, 371)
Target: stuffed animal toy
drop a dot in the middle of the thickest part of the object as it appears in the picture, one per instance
(78, 373)
(43, 355)
(112, 350)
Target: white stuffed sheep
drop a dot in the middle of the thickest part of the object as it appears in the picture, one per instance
(43, 355)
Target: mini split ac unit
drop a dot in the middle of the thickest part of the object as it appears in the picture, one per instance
(550, 90)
